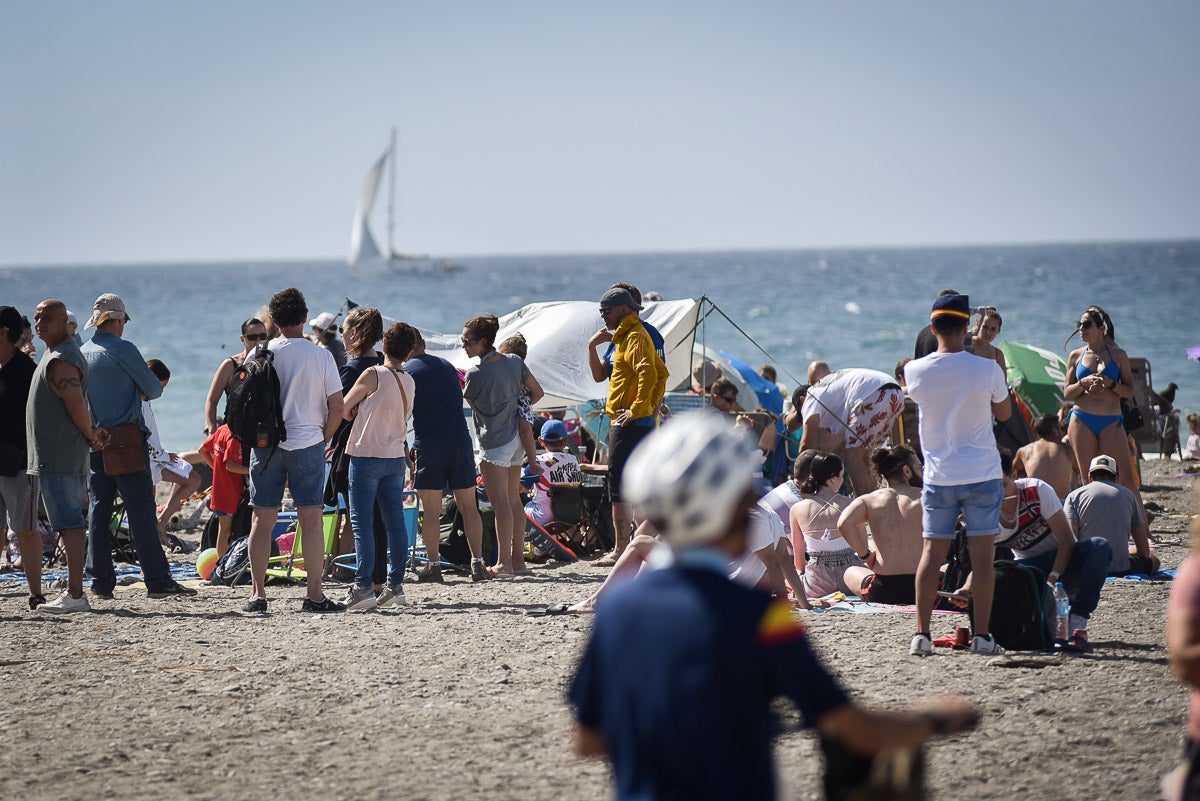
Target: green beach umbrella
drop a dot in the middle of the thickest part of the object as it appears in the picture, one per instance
(1036, 375)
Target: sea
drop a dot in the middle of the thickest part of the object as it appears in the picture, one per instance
(852, 307)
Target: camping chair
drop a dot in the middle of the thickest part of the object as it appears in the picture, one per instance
(557, 537)
(291, 566)
(122, 541)
(416, 553)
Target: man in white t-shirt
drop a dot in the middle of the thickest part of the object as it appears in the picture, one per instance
(850, 413)
(1034, 526)
(957, 394)
(311, 397)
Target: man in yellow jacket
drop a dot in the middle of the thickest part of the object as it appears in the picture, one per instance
(635, 392)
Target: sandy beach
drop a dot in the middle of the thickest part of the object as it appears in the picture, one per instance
(460, 695)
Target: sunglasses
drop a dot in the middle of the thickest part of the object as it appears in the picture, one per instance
(728, 398)
(467, 340)
(1085, 325)
(255, 337)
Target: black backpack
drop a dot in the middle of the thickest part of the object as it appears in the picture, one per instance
(1022, 608)
(234, 567)
(253, 410)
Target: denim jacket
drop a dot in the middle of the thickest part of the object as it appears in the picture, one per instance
(117, 379)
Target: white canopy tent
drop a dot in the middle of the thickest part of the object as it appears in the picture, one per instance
(558, 332)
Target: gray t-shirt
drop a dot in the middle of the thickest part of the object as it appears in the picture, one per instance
(56, 446)
(493, 388)
(1108, 510)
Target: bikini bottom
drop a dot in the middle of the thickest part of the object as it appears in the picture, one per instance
(1096, 422)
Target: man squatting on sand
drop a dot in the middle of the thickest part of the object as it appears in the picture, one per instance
(691, 480)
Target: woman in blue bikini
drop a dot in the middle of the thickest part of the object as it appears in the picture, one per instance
(1098, 377)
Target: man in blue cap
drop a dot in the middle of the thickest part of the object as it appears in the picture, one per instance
(957, 394)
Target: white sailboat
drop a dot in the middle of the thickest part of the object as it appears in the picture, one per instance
(364, 252)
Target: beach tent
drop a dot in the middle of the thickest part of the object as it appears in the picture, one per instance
(1036, 375)
(558, 332)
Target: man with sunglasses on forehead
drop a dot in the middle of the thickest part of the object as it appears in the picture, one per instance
(635, 391)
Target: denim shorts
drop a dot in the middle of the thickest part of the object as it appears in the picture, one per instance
(303, 470)
(510, 454)
(444, 468)
(979, 504)
(63, 497)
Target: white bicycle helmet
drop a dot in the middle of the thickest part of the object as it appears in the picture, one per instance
(687, 477)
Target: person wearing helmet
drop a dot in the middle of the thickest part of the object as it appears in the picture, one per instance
(643, 670)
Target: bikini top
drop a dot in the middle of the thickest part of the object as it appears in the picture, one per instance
(1082, 371)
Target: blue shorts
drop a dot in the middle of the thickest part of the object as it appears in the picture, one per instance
(979, 504)
(303, 470)
(444, 468)
(63, 497)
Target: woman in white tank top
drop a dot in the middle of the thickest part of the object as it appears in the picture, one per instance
(380, 403)
(822, 555)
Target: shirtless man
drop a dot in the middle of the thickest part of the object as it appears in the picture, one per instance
(1048, 458)
(894, 516)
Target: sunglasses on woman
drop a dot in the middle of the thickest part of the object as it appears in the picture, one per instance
(255, 337)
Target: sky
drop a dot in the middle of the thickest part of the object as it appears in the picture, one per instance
(214, 130)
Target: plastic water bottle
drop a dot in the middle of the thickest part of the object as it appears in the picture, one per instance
(1062, 611)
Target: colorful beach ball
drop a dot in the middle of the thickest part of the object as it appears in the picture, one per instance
(205, 563)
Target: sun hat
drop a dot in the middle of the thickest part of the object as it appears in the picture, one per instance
(687, 477)
(106, 307)
(323, 321)
(1103, 464)
(553, 431)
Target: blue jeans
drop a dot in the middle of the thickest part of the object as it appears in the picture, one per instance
(137, 491)
(1084, 577)
(382, 479)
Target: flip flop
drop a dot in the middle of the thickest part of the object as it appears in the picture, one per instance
(557, 609)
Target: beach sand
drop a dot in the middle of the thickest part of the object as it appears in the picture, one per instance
(460, 695)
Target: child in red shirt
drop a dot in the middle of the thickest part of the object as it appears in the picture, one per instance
(223, 454)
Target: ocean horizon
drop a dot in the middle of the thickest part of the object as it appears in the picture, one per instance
(851, 306)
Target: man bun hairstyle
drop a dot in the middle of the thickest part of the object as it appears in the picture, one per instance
(889, 462)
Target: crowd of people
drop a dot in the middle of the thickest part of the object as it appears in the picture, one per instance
(861, 514)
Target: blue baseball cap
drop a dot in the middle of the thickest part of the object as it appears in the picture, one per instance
(553, 431)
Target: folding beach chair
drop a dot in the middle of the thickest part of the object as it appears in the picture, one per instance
(557, 537)
(416, 555)
(291, 566)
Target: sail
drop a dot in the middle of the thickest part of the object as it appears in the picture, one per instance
(362, 244)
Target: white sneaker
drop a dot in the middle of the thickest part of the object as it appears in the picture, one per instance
(920, 646)
(985, 645)
(360, 599)
(65, 604)
(392, 595)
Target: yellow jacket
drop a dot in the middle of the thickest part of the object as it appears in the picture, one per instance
(639, 375)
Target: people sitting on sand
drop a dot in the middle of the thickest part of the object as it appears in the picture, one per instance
(781, 499)
(981, 343)
(1034, 526)
(1192, 449)
(821, 553)
(1104, 508)
(850, 413)
(665, 646)
(1048, 458)
(893, 515)
(559, 468)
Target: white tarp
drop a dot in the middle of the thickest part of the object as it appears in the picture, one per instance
(558, 332)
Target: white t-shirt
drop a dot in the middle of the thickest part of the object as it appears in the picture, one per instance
(764, 531)
(308, 375)
(558, 467)
(831, 397)
(954, 393)
(1037, 502)
(780, 501)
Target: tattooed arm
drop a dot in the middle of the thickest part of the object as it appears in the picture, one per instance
(65, 383)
